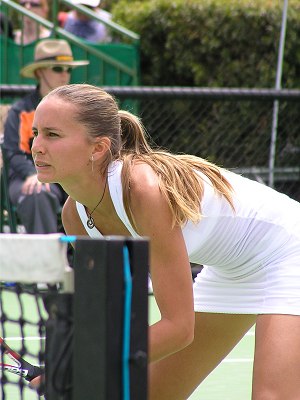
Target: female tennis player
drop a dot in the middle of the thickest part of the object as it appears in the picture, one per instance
(245, 234)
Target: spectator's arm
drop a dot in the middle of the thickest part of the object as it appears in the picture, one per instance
(19, 163)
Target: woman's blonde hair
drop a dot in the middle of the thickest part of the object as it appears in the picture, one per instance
(178, 178)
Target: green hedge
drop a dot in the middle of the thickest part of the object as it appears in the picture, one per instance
(213, 43)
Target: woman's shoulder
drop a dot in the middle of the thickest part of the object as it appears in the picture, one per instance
(144, 185)
(69, 209)
(143, 175)
(70, 218)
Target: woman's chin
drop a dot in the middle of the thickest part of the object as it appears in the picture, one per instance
(44, 179)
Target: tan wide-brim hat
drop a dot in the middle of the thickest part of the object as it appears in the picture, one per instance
(90, 3)
(49, 53)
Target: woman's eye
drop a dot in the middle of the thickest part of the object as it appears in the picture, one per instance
(49, 134)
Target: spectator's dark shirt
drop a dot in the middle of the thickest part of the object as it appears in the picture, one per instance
(18, 135)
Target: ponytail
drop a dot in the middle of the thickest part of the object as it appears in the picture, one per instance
(179, 180)
(133, 135)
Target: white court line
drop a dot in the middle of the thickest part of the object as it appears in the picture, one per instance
(37, 337)
(28, 338)
(226, 360)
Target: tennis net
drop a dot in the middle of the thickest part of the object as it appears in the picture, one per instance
(89, 337)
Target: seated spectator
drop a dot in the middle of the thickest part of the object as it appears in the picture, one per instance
(83, 26)
(37, 204)
(31, 30)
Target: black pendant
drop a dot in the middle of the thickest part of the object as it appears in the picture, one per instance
(90, 222)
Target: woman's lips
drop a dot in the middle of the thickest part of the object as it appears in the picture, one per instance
(40, 164)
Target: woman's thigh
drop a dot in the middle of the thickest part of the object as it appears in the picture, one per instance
(276, 374)
(177, 376)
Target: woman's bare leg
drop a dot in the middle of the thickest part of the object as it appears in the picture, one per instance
(276, 374)
(177, 376)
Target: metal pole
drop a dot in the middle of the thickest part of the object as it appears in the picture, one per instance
(272, 154)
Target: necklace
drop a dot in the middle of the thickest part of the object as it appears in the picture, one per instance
(90, 222)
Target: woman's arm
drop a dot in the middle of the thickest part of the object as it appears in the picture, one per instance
(170, 267)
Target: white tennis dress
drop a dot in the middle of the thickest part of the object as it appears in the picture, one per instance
(251, 257)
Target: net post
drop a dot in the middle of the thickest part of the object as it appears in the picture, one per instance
(98, 318)
(89, 356)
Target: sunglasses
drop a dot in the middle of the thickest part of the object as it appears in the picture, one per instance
(32, 4)
(61, 68)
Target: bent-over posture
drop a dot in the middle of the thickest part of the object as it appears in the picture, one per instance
(245, 234)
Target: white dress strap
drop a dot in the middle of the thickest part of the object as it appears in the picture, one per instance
(116, 193)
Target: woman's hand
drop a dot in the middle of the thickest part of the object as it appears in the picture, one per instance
(38, 384)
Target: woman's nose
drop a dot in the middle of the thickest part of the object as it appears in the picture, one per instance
(37, 146)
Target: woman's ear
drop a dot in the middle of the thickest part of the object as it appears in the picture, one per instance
(101, 147)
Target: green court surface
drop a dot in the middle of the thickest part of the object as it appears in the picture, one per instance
(230, 381)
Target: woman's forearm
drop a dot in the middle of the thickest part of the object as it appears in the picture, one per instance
(167, 337)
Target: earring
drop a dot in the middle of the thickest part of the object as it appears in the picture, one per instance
(92, 164)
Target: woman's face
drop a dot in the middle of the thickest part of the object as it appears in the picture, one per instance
(61, 149)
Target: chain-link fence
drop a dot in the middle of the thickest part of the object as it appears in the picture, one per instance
(232, 127)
